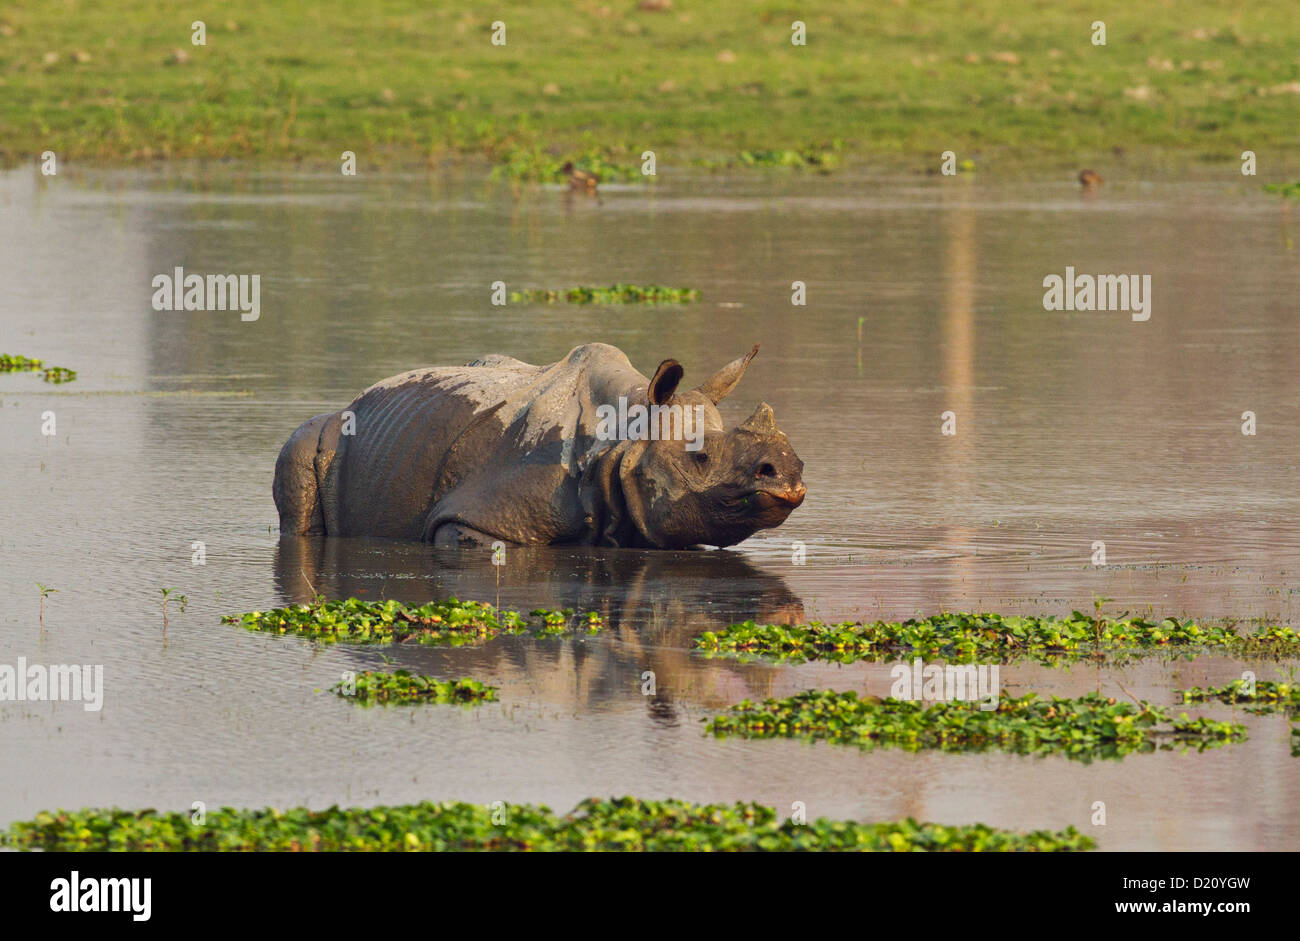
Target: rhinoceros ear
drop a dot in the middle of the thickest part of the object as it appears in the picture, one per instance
(762, 422)
(665, 380)
(720, 384)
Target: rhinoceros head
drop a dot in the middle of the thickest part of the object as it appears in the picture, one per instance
(708, 485)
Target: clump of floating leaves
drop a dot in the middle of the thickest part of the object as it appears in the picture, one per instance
(622, 824)
(403, 688)
(1091, 726)
(965, 638)
(451, 622)
(13, 363)
(1285, 190)
(614, 294)
(821, 157)
(1262, 697)
(535, 164)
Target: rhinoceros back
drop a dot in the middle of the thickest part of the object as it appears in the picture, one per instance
(383, 478)
(493, 444)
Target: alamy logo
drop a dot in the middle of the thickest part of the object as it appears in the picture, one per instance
(1128, 292)
(76, 894)
(60, 682)
(637, 422)
(949, 683)
(181, 291)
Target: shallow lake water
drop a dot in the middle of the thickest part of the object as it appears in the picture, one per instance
(924, 295)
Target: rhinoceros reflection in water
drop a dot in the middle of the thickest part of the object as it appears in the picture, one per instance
(501, 450)
(654, 603)
(687, 592)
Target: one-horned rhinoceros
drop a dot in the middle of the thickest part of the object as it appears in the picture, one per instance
(586, 451)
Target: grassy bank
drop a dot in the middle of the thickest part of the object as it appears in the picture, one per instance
(405, 82)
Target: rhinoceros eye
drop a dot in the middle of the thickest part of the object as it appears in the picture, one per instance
(701, 459)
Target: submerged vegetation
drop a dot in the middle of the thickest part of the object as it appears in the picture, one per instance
(614, 294)
(964, 638)
(622, 824)
(451, 622)
(10, 362)
(403, 688)
(1091, 726)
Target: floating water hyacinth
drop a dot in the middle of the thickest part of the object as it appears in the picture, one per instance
(823, 158)
(535, 165)
(451, 622)
(623, 824)
(1285, 190)
(13, 363)
(1091, 726)
(968, 637)
(1263, 697)
(403, 688)
(614, 294)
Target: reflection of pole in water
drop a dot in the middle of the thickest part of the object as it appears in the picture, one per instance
(958, 359)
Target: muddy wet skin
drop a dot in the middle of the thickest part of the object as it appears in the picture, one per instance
(1095, 456)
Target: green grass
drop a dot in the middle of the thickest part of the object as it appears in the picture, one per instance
(403, 688)
(1089, 727)
(965, 638)
(623, 824)
(10, 362)
(411, 81)
(614, 294)
(452, 622)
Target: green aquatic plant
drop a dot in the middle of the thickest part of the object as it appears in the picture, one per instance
(451, 622)
(596, 825)
(1263, 697)
(1285, 190)
(536, 165)
(1091, 726)
(46, 591)
(58, 374)
(13, 363)
(820, 157)
(614, 294)
(403, 688)
(566, 622)
(964, 638)
(166, 596)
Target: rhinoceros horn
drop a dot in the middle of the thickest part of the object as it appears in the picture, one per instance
(762, 422)
(720, 384)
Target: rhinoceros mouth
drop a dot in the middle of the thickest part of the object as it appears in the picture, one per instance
(779, 499)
